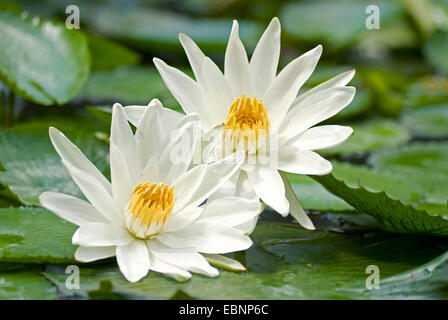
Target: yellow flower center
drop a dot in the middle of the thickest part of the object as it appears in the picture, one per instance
(148, 208)
(246, 122)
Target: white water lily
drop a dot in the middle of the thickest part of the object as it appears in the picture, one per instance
(251, 103)
(151, 215)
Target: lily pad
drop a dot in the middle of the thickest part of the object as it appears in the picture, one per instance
(285, 263)
(436, 51)
(339, 23)
(424, 282)
(423, 165)
(132, 85)
(391, 200)
(428, 121)
(313, 196)
(372, 135)
(31, 164)
(42, 60)
(32, 235)
(152, 29)
(108, 55)
(26, 285)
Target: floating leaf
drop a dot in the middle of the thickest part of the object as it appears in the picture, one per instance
(389, 199)
(423, 165)
(42, 60)
(154, 29)
(107, 55)
(285, 263)
(132, 85)
(424, 282)
(26, 284)
(33, 166)
(436, 51)
(428, 121)
(32, 235)
(372, 135)
(339, 23)
(313, 196)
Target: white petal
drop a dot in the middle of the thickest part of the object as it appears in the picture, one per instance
(283, 89)
(295, 208)
(224, 262)
(187, 185)
(101, 235)
(72, 209)
(218, 92)
(122, 182)
(134, 113)
(238, 185)
(182, 258)
(217, 173)
(230, 211)
(322, 137)
(149, 134)
(124, 166)
(122, 136)
(236, 65)
(207, 238)
(96, 193)
(133, 260)
(71, 154)
(90, 254)
(340, 80)
(264, 61)
(187, 92)
(269, 187)
(247, 227)
(303, 162)
(316, 108)
(181, 219)
(194, 54)
(158, 265)
(178, 149)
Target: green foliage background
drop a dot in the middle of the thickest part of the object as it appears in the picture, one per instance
(385, 203)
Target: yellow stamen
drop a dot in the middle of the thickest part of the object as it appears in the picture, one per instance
(246, 122)
(148, 208)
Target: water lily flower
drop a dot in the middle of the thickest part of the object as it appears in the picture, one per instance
(257, 108)
(152, 215)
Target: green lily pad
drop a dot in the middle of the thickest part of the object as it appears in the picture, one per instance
(32, 235)
(391, 200)
(424, 282)
(338, 24)
(42, 60)
(436, 51)
(313, 196)
(285, 263)
(372, 135)
(428, 90)
(128, 85)
(26, 285)
(428, 121)
(431, 157)
(152, 29)
(108, 55)
(423, 165)
(31, 164)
